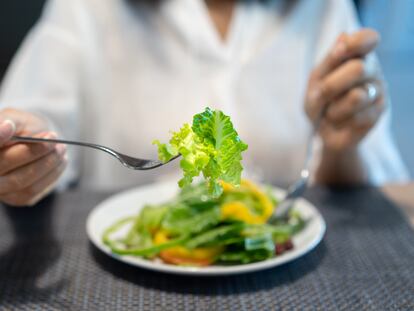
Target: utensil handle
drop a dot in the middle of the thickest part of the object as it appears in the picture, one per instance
(63, 141)
(51, 140)
(45, 140)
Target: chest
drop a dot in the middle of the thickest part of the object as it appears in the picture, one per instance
(149, 79)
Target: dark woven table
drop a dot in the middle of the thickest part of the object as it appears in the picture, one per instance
(365, 262)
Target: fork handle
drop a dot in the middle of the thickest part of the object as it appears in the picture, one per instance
(63, 141)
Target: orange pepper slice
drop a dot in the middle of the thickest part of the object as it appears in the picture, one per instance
(180, 255)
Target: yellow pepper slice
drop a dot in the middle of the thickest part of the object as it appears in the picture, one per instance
(239, 211)
(261, 196)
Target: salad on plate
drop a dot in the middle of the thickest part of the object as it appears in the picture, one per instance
(221, 220)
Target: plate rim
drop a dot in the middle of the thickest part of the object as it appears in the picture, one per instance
(197, 271)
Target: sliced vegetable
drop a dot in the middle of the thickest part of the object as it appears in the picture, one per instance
(245, 257)
(246, 203)
(216, 235)
(181, 255)
(197, 229)
(185, 220)
(239, 211)
(144, 248)
(264, 241)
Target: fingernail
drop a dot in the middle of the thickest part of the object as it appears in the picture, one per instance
(60, 149)
(7, 129)
(340, 49)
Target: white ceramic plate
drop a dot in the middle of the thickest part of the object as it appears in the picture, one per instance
(130, 202)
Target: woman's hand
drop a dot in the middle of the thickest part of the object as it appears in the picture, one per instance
(28, 172)
(353, 92)
(353, 95)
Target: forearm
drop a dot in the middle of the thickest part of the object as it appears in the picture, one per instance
(341, 168)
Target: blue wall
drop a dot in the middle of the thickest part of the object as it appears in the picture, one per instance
(395, 21)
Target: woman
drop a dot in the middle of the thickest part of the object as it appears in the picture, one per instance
(123, 73)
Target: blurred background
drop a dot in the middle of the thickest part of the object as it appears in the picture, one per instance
(393, 18)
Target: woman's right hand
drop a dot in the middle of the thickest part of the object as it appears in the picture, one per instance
(28, 171)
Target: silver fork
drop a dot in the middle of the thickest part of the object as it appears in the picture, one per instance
(128, 161)
(296, 189)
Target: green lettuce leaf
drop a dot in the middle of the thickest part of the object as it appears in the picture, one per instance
(216, 236)
(210, 146)
(186, 220)
(244, 257)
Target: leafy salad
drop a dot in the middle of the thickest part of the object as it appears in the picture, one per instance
(222, 220)
(210, 146)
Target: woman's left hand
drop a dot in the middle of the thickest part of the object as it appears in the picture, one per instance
(351, 92)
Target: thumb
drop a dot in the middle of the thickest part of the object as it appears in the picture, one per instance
(7, 130)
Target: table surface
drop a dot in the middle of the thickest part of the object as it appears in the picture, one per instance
(365, 262)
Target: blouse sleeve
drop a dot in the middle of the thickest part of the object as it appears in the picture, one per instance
(44, 76)
(378, 150)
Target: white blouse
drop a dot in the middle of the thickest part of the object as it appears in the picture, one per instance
(123, 75)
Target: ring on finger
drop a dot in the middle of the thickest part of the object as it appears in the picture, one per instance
(372, 91)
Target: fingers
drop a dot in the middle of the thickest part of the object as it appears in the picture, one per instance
(337, 85)
(24, 123)
(356, 110)
(354, 101)
(332, 60)
(361, 43)
(341, 137)
(355, 45)
(7, 130)
(35, 192)
(366, 118)
(27, 171)
(19, 118)
(349, 75)
(27, 175)
(20, 154)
